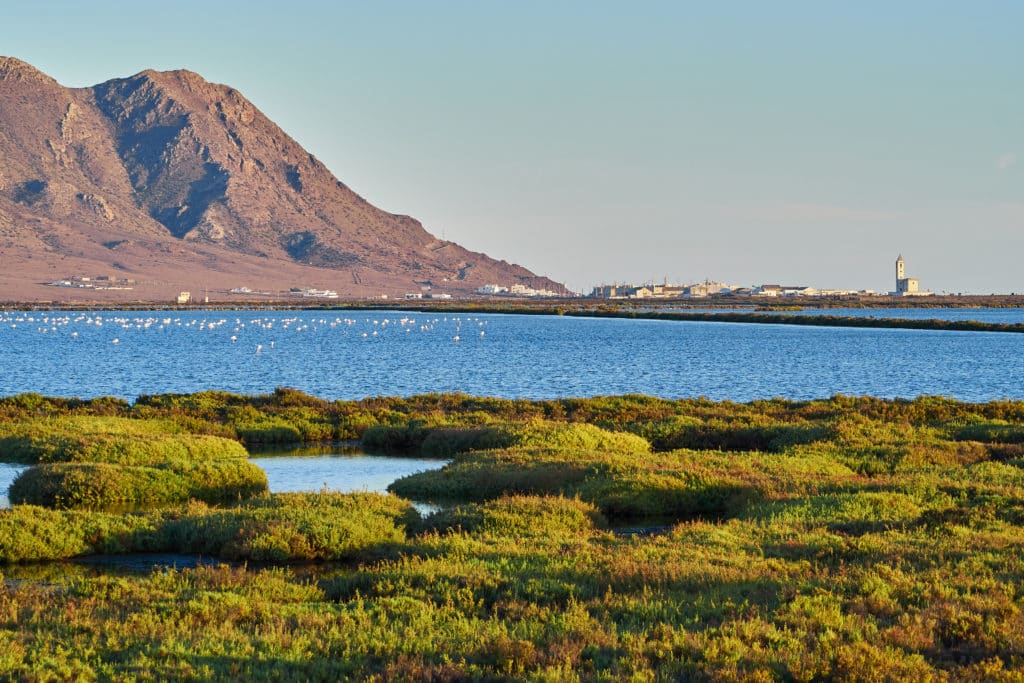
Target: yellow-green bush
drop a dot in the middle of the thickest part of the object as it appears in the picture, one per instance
(116, 440)
(890, 549)
(99, 485)
(675, 485)
(278, 528)
(550, 517)
(445, 440)
(93, 462)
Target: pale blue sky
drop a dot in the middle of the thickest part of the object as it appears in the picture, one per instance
(794, 142)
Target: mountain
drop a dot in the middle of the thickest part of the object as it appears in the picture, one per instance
(172, 182)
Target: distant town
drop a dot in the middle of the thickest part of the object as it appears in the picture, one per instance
(905, 286)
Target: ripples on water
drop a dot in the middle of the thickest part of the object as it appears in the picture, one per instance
(353, 355)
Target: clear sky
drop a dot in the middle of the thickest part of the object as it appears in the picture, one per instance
(791, 142)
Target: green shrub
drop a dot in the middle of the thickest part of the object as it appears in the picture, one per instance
(99, 485)
(443, 443)
(676, 485)
(31, 405)
(267, 430)
(858, 512)
(110, 440)
(668, 497)
(991, 432)
(293, 527)
(255, 427)
(577, 437)
(549, 517)
(447, 440)
(728, 436)
(890, 549)
(395, 439)
(94, 462)
(32, 534)
(488, 475)
(278, 528)
(354, 425)
(312, 422)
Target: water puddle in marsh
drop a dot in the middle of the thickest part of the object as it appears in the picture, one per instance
(339, 467)
(332, 467)
(8, 473)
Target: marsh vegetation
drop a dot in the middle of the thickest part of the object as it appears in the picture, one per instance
(844, 539)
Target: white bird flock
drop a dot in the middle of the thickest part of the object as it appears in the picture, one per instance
(263, 332)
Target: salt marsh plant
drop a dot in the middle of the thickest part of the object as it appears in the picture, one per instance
(449, 438)
(99, 485)
(277, 528)
(851, 538)
(94, 462)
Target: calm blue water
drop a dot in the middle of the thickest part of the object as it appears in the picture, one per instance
(356, 354)
(987, 315)
(8, 473)
(335, 468)
(346, 472)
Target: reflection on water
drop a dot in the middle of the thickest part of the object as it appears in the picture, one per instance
(344, 468)
(333, 467)
(92, 566)
(335, 448)
(8, 473)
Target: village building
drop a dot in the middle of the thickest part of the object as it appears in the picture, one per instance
(707, 288)
(660, 291)
(907, 286)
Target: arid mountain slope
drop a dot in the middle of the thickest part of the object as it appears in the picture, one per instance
(173, 182)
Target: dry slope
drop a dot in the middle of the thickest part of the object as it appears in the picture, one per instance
(174, 182)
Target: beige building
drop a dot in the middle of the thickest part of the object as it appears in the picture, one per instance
(664, 290)
(708, 288)
(907, 286)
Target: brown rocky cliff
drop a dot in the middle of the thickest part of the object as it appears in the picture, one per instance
(56, 155)
(171, 163)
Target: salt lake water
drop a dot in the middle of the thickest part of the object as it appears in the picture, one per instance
(337, 469)
(8, 473)
(986, 315)
(351, 355)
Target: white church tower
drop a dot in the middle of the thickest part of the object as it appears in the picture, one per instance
(906, 286)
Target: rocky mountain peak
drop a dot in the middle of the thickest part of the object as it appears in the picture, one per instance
(12, 68)
(194, 165)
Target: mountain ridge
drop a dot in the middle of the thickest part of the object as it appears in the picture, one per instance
(164, 173)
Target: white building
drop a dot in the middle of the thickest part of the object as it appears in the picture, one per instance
(310, 293)
(708, 288)
(907, 286)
